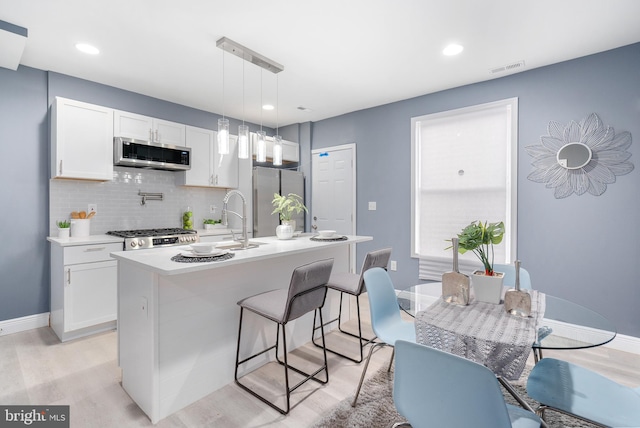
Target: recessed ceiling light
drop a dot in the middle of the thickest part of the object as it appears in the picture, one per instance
(267, 107)
(88, 49)
(452, 49)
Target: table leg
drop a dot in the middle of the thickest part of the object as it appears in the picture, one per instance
(517, 397)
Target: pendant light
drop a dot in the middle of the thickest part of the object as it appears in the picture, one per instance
(261, 151)
(243, 130)
(277, 139)
(223, 123)
(264, 63)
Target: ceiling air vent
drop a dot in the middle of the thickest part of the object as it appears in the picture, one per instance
(507, 68)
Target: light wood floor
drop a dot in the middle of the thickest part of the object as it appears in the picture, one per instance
(35, 368)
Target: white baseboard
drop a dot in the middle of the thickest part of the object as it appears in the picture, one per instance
(29, 322)
(625, 343)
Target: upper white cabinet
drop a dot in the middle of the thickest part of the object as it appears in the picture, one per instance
(81, 140)
(208, 167)
(139, 127)
(290, 150)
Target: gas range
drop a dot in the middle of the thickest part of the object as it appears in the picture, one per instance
(143, 239)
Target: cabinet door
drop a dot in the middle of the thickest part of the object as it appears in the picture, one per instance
(290, 151)
(82, 140)
(225, 167)
(166, 132)
(201, 143)
(131, 125)
(90, 294)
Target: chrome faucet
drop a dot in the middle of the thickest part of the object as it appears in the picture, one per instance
(226, 211)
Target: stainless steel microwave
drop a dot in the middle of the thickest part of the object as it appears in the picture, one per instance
(145, 154)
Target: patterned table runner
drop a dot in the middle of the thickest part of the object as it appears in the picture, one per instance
(482, 332)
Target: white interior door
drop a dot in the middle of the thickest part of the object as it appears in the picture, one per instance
(333, 184)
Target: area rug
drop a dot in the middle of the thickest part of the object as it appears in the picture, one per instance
(375, 408)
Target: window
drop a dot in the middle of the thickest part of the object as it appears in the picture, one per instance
(464, 168)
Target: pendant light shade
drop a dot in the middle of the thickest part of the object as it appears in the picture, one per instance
(277, 150)
(223, 136)
(261, 151)
(243, 141)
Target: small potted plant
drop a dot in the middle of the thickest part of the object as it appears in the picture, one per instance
(480, 238)
(63, 228)
(286, 207)
(210, 223)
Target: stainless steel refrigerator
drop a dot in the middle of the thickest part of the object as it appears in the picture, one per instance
(266, 182)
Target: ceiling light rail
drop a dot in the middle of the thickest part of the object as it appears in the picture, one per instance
(247, 54)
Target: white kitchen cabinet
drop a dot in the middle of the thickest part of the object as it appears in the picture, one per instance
(81, 140)
(208, 167)
(84, 282)
(139, 127)
(290, 150)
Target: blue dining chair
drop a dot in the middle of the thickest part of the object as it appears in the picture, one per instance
(509, 279)
(386, 322)
(579, 392)
(432, 388)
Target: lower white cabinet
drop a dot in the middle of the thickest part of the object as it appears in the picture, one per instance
(84, 282)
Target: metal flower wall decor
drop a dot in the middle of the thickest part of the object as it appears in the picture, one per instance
(580, 157)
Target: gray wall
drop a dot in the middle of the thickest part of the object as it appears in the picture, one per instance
(24, 194)
(582, 248)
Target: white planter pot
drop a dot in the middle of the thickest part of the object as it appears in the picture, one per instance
(291, 223)
(284, 231)
(63, 232)
(487, 289)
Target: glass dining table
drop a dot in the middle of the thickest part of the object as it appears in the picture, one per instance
(564, 326)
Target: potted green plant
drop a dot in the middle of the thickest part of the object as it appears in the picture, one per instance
(286, 207)
(63, 228)
(480, 238)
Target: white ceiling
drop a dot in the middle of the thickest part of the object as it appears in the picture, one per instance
(339, 55)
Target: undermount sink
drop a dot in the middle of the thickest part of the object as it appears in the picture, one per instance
(235, 245)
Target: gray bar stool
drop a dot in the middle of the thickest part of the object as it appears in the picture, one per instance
(352, 284)
(307, 291)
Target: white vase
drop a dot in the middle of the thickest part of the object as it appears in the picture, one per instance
(63, 232)
(284, 231)
(487, 289)
(291, 223)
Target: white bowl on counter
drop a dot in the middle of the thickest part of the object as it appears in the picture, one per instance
(326, 233)
(203, 247)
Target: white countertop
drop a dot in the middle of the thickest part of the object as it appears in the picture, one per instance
(85, 240)
(107, 239)
(158, 260)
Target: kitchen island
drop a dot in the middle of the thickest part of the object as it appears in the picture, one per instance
(178, 322)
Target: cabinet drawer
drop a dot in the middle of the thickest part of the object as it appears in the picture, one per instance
(89, 253)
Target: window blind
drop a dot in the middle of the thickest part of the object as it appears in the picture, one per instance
(464, 170)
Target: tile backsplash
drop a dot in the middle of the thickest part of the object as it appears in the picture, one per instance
(119, 206)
